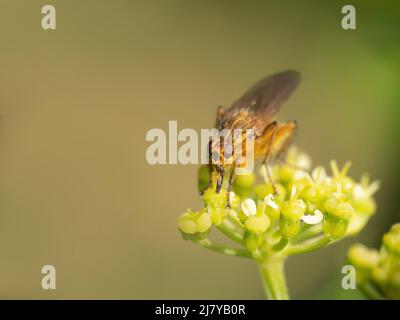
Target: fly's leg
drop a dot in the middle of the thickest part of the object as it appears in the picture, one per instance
(220, 180)
(270, 133)
(218, 124)
(231, 180)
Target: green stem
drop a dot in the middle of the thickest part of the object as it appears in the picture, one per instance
(207, 243)
(308, 246)
(307, 233)
(370, 291)
(273, 277)
(281, 244)
(235, 222)
(227, 229)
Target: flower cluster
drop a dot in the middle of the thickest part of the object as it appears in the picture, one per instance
(292, 207)
(378, 272)
(285, 209)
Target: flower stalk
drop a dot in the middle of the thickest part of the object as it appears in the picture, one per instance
(220, 248)
(273, 278)
(309, 245)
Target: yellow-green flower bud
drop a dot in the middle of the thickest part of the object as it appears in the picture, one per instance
(309, 194)
(272, 209)
(243, 184)
(280, 193)
(364, 259)
(366, 206)
(293, 210)
(379, 276)
(217, 215)
(286, 173)
(203, 222)
(337, 218)
(391, 240)
(252, 241)
(361, 197)
(264, 189)
(297, 164)
(347, 184)
(272, 213)
(214, 199)
(289, 228)
(257, 224)
(388, 280)
(334, 228)
(291, 213)
(343, 210)
(300, 183)
(191, 223)
(392, 290)
(216, 204)
(331, 204)
(187, 224)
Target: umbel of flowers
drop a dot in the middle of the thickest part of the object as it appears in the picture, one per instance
(304, 210)
(378, 272)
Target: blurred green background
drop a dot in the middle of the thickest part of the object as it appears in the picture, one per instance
(75, 188)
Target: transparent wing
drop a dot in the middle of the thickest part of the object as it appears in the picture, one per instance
(265, 98)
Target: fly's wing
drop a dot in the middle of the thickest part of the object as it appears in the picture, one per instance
(264, 99)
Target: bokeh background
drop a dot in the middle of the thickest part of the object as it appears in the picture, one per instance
(76, 103)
